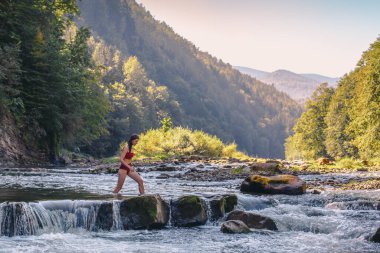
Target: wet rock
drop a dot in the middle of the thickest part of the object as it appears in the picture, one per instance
(220, 205)
(165, 167)
(233, 160)
(376, 236)
(144, 212)
(267, 166)
(280, 184)
(315, 191)
(354, 205)
(234, 227)
(231, 202)
(104, 216)
(252, 220)
(163, 176)
(188, 211)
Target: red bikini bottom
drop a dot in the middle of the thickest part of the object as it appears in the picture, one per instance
(123, 167)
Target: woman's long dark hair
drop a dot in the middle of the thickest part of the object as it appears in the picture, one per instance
(133, 137)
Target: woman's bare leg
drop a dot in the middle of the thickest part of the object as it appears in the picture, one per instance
(135, 176)
(120, 181)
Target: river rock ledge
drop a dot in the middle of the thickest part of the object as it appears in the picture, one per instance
(280, 184)
(132, 212)
(144, 212)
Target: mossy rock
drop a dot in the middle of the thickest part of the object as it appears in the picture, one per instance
(188, 211)
(280, 184)
(144, 212)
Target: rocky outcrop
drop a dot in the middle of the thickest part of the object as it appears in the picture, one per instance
(144, 212)
(188, 211)
(252, 220)
(280, 184)
(13, 150)
(234, 227)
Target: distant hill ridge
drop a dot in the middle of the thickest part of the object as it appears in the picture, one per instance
(297, 86)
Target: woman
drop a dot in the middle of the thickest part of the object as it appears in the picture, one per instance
(126, 166)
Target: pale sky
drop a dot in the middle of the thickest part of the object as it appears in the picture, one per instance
(304, 36)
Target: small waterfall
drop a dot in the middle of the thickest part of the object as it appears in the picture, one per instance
(21, 218)
(116, 218)
(169, 202)
(208, 212)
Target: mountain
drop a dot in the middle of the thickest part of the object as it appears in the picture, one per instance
(212, 96)
(297, 86)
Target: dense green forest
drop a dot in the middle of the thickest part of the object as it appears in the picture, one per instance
(195, 89)
(86, 77)
(49, 86)
(344, 122)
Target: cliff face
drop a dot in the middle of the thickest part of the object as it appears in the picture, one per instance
(13, 150)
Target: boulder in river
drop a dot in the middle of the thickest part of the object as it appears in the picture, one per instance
(280, 184)
(144, 212)
(376, 236)
(188, 211)
(252, 220)
(234, 227)
(220, 205)
(104, 217)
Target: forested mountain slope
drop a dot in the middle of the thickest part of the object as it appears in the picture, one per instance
(209, 95)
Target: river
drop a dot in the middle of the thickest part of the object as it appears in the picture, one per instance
(305, 223)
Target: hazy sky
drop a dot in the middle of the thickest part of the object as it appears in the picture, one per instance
(305, 36)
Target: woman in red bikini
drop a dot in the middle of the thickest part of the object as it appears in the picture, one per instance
(126, 166)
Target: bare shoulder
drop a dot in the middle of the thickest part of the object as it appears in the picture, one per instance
(126, 149)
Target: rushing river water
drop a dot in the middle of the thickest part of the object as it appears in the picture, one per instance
(304, 222)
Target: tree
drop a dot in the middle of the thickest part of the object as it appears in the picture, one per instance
(309, 131)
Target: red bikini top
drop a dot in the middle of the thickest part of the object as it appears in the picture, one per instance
(129, 155)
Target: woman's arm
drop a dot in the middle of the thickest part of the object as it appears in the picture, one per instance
(125, 151)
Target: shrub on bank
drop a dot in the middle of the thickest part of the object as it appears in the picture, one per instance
(179, 141)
